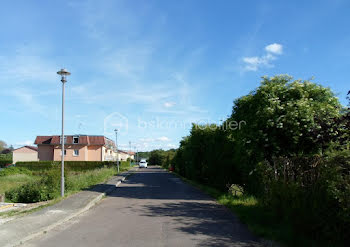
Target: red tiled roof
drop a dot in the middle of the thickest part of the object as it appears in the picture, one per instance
(87, 140)
(32, 148)
(126, 152)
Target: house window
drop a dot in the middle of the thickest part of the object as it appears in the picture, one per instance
(65, 139)
(76, 152)
(65, 152)
(76, 139)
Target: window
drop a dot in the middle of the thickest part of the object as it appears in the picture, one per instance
(76, 139)
(76, 152)
(65, 140)
(65, 152)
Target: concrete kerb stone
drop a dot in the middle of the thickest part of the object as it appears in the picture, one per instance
(87, 207)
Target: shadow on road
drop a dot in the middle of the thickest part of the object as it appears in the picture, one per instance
(220, 226)
(190, 211)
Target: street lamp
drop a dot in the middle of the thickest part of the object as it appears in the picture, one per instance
(130, 152)
(63, 73)
(135, 156)
(116, 145)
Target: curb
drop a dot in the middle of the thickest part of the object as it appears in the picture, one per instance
(86, 208)
(7, 206)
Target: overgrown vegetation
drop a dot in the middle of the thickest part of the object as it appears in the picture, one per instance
(286, 144)
(42, 181)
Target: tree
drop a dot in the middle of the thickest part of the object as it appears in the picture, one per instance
(284, 118)
(282, 115)
(157, 157)
(3, 145)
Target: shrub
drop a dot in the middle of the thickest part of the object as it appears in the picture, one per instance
(312, 193)
(5, 159)
(4, 163)
(45, 189)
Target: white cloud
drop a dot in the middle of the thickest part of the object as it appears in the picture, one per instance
(146, 139)
(171, 145)
(256, 62)
(163, 139)
(169, 104)
(274, 48)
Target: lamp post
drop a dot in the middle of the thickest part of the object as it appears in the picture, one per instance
(130, 152)
(137, 157)
(116, 145)
(63, 73)
(135, 161)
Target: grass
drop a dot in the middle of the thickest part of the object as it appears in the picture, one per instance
(15, 180)
(77, 181)
(84, 180)
(12, 178)
(259, 219)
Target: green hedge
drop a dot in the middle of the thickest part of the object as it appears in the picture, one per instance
(3, 163)
(69, 165)
(5, 159)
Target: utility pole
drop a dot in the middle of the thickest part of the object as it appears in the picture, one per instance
(63, 73)
(116, 145)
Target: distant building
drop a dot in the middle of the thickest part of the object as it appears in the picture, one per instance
(77, 148)
(26, 153)
(124, 155)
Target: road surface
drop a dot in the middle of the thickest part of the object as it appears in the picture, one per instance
(152, 208)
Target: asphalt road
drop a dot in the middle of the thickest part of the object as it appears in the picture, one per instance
(152, 208)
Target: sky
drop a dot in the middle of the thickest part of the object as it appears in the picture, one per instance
(151, 68)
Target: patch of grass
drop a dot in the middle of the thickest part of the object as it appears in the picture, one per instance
(78, 180)
(14, 181)
(47, 185)
(84, 180)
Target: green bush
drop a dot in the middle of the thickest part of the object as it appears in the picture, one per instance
(311, 193)
(45, 189)
(3, 163)
(5, 159)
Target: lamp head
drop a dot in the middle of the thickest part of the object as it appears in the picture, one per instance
(63, 73)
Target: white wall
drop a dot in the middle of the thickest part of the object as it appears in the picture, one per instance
(25, 157)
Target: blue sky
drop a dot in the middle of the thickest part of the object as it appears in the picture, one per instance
(150, 68)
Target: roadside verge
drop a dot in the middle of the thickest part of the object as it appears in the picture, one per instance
(20, 230)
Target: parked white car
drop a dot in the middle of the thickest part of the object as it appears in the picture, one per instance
(143, 163)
